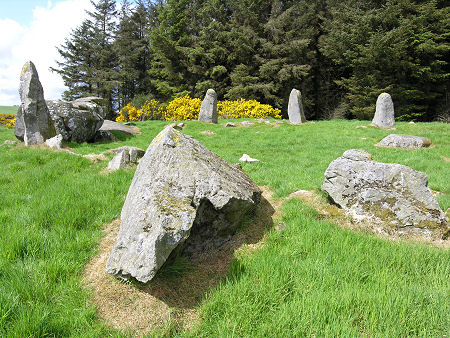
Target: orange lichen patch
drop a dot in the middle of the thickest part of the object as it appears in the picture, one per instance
(168, 298)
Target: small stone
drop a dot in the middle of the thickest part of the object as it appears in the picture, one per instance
(179, 126)
(55, 142)
(412, 122)
(230, 124)
(247, 124)
(384, 113)
(246, 158)
(10, 142)
(208, 109)
(295, 108)
(404, 141)
(280, 226)
(134, 153)
(120, 161)
(207, 132)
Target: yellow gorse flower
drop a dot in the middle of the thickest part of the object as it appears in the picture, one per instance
(187, 108)
(8, 120)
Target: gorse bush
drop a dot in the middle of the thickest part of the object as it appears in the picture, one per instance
(151, 110)
(8, 120)
(187, 108)
(246, 108)
(182, 108)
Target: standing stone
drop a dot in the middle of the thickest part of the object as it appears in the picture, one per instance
(183, 199)
(33, 122)
(208, 110)
(295, 108)
(384, 112)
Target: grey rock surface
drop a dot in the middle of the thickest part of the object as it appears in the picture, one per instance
(55, 142)
(109, 125)
(19, 127)
(404, 141)
(295, 108)
(120, 161)
(183, 199)
(390, 192)
(208, 110)
(134, 152)
(77, 120)
(384, 112)
(33, 122)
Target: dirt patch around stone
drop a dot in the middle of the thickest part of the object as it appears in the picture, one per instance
(142, 308)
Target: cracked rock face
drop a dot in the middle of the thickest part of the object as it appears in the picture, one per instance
(182, 197)
(391, 192)
(77, 120)
(33, 122)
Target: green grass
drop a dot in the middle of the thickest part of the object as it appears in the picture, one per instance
(8, 109)
(312, 278)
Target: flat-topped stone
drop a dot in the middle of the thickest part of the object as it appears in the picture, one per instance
(115, 126)
(404, 141)
(393, 193)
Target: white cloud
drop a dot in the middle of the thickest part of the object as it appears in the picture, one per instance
(37, 42)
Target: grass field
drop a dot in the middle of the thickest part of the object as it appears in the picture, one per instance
(311, 279)
(8, 109)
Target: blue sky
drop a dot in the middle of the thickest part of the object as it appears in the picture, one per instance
(21, 10)
(31, 30)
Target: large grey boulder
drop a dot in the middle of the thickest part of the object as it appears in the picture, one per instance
(33, 122)
(183, 197)
(404, 141)
(208, 110)
(390, 192)
(77, 120)
(295, 107)
(384, 112)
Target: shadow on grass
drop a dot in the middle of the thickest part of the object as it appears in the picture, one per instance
(184, 283)
(173, 296)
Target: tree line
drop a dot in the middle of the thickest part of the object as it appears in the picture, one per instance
(341, 54)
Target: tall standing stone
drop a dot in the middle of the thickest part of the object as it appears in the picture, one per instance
(295, 107)
(384, 112)
(208, 110)
(34, 122)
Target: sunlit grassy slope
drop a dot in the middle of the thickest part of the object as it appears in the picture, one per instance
(312, 278)
(8, 109)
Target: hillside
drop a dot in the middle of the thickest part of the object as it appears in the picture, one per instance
(312, 276)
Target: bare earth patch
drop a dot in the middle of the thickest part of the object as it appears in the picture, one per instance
(142, 308)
